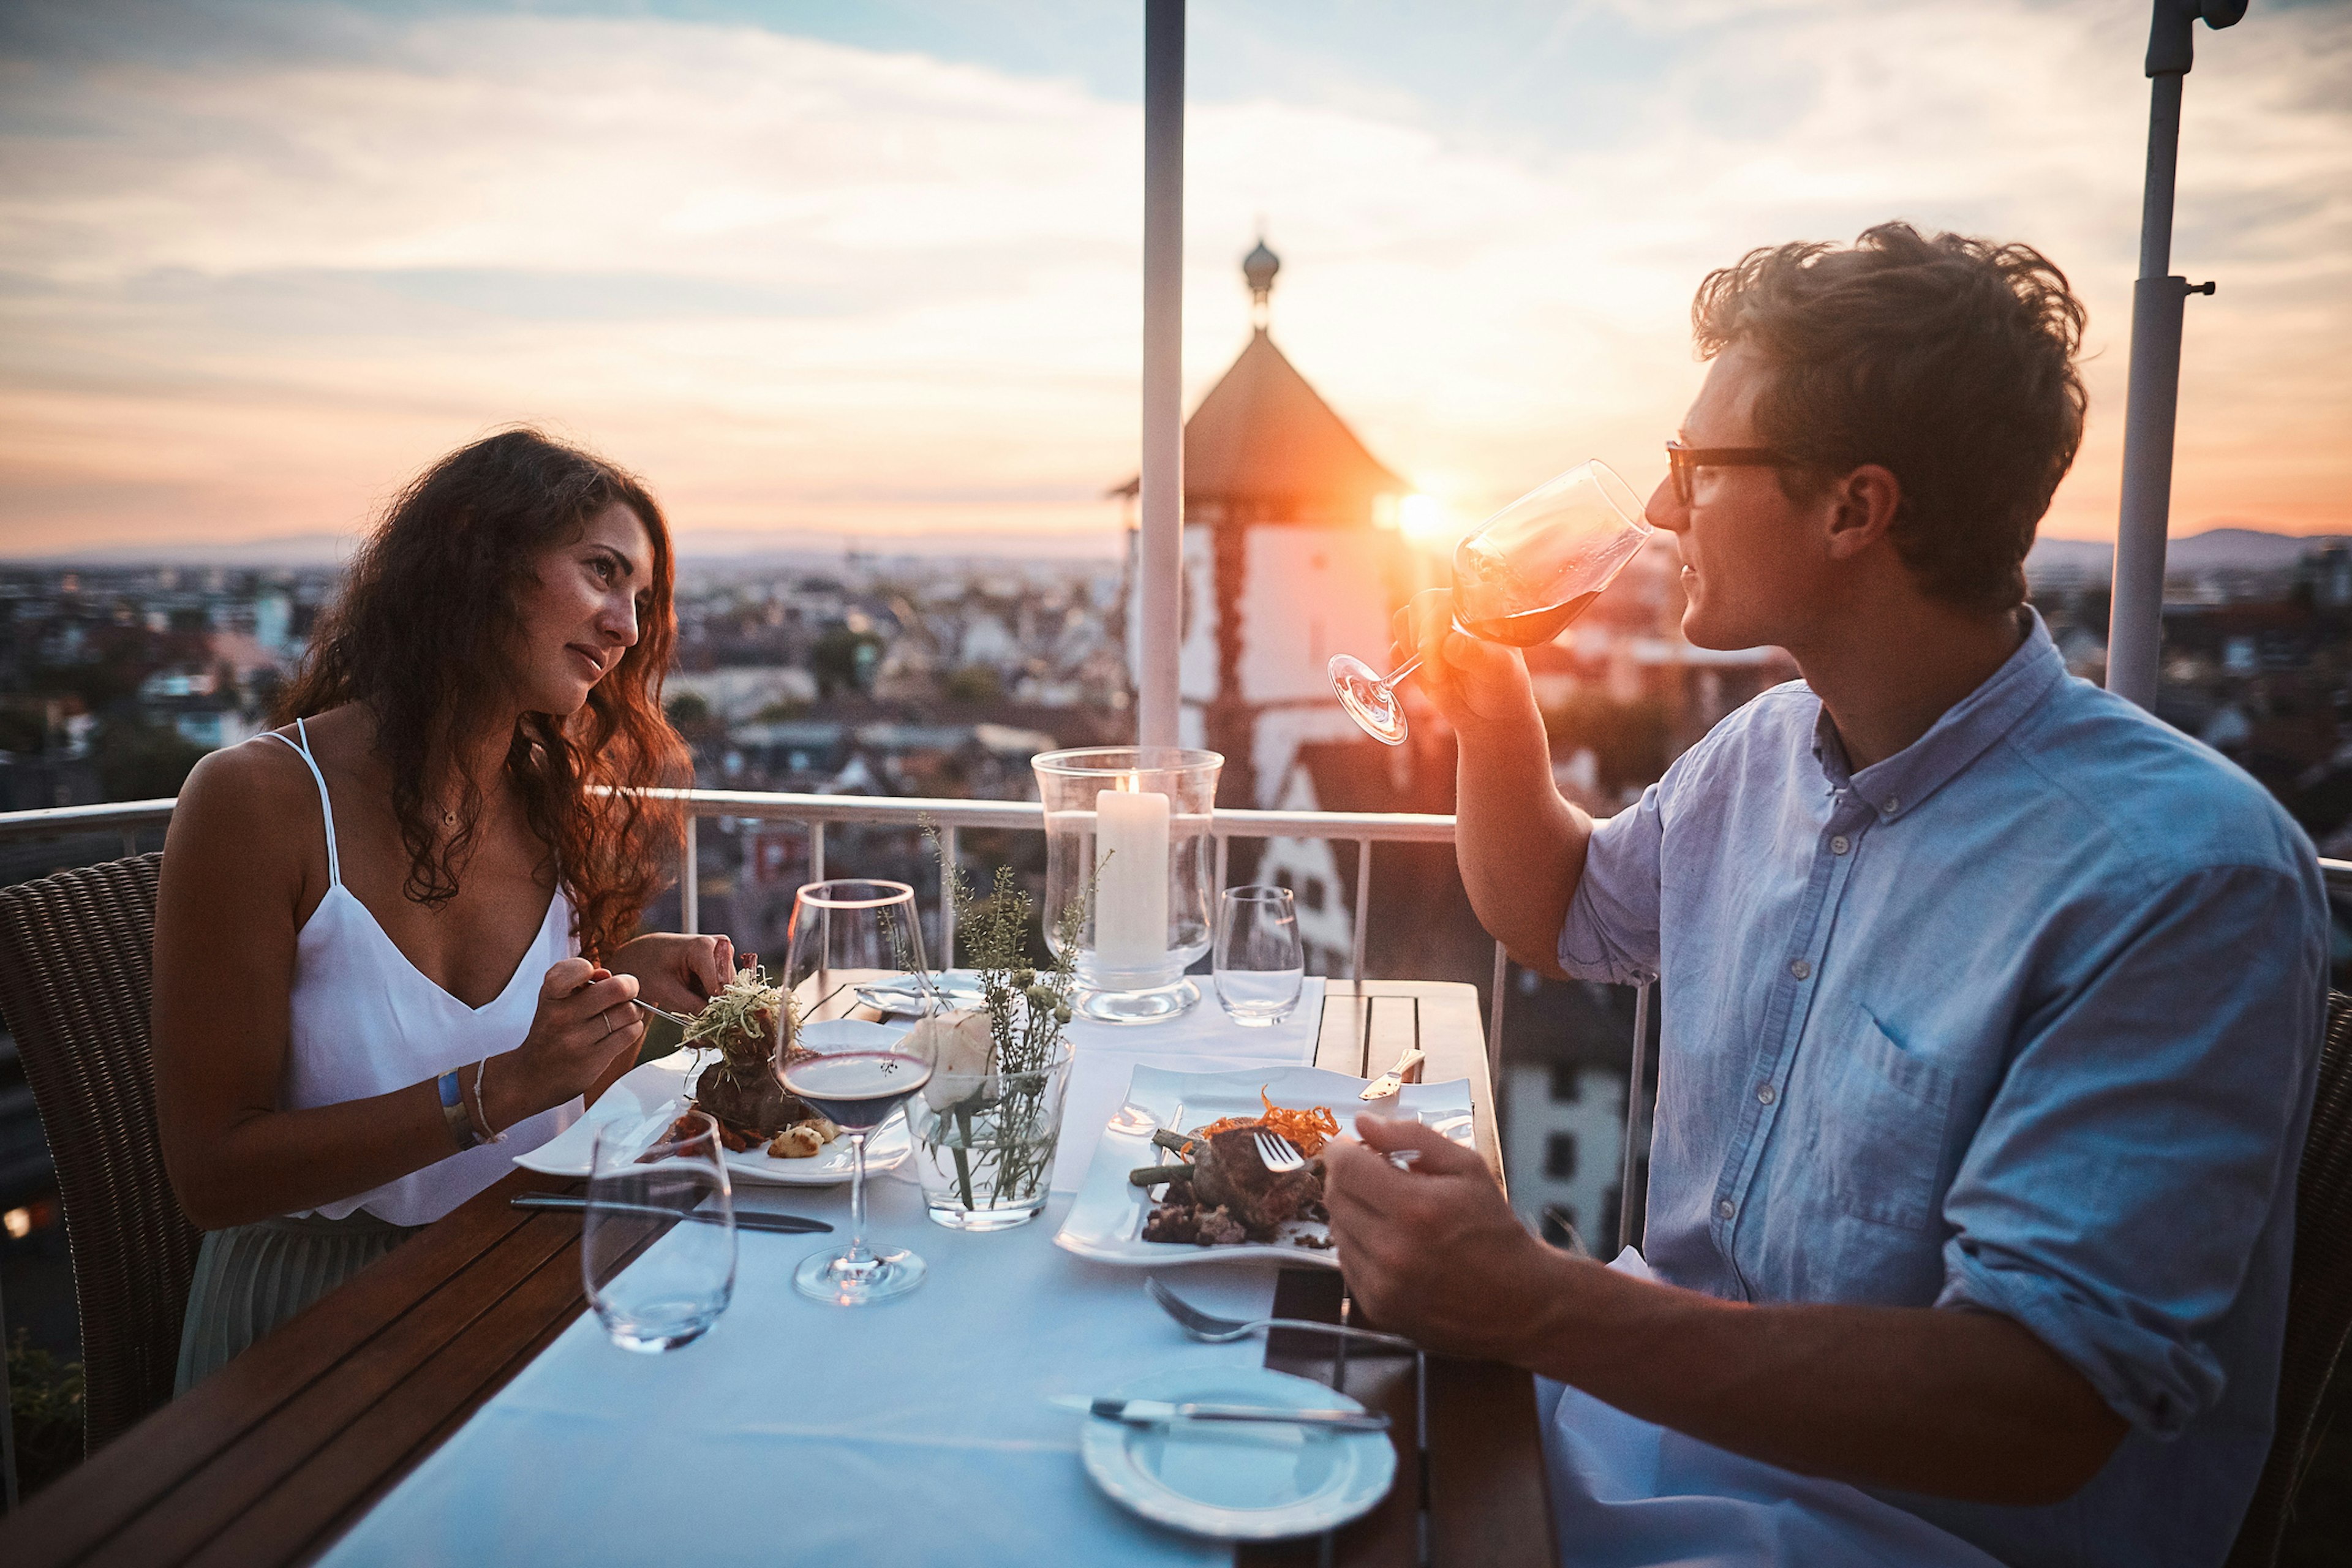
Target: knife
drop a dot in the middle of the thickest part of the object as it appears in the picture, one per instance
(745, 1219)
(1160, 1412)
(1407, 1071)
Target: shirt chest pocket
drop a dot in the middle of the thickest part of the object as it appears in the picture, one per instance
(1872, 1124)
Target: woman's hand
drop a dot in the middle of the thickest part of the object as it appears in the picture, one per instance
(584, 1026)
(679, 972)
(1474, 684)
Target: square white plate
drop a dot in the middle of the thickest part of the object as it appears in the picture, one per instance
(1105, 1221)
(662, 1086)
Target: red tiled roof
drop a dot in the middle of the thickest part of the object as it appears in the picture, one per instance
(1264, 445)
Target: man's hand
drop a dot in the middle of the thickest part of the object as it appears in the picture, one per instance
(1435, 1252)
(1476, 685)
(1950, 1402)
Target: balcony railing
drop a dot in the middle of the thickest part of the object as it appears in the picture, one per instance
(816, 812)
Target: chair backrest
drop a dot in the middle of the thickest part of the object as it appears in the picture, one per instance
(2319, 1303)
(76, 965)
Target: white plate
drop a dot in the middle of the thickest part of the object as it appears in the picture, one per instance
(1106, 1220)
(1234, 1483)
(662, 1086)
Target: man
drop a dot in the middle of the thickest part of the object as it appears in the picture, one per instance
(1990, 1004)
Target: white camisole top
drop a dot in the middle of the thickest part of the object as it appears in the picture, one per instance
(367, 1021)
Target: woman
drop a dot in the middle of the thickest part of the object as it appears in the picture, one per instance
(369, 982)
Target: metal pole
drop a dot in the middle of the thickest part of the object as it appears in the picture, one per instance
(951, 856)
(689, 883)
(1160, 541)
(1633, 1114)
(2135, 602)
(1363, 908)
(1494, 1018)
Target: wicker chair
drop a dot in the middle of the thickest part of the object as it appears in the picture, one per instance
(75, 968)
(2319, 1304)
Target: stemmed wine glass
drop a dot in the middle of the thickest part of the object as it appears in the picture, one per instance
(846, 935)
(1530, 569)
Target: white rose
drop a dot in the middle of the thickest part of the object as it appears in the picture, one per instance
(961, 1046)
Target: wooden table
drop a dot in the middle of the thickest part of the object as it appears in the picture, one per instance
(276, 1455)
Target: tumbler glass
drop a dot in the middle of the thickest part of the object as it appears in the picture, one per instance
(1260, 965)
(657, 1245)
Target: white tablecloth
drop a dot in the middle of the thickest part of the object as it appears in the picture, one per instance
(915, 1432)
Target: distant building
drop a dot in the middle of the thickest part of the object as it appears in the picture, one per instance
(1291, 555)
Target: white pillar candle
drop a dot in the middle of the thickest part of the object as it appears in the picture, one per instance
(1131, 901)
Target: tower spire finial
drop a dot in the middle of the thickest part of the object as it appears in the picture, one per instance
(1258, 269)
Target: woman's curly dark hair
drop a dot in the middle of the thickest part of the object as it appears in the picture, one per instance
(421, 634)
(1949, 361)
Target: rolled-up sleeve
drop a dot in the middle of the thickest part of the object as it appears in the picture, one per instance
(1611, 931)
(2113, 1197)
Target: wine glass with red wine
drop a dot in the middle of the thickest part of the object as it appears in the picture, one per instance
(1530, 569)
(850, 1067)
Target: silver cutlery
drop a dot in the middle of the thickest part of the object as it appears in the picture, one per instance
(662, 1013)
(1161, 1413)
(1214, 1330)
(1211, 1329)
(1279, 1154)
(1407, 1071)
(745, 1219)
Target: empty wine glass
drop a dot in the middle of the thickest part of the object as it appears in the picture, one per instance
(1260, 966)
(1530, 569)
(656, 1283)
(852, 1071)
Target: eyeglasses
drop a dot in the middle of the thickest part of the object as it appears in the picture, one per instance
(1684, 462)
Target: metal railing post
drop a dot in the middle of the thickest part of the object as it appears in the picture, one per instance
(1495, 1018)
(816, 851)
(1363, 908)
(1633, 1114)
(690, 882)
(951, 855)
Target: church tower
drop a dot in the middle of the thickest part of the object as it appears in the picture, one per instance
(1291, 555)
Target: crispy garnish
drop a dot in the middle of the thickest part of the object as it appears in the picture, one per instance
(1307, 1130)
(746, 1009)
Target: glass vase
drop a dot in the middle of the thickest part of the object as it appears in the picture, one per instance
(984, 1143)
(1127, 829)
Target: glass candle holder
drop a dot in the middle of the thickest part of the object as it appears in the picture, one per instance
(1134, 821)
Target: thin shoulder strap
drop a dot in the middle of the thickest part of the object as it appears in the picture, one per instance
(326, 805)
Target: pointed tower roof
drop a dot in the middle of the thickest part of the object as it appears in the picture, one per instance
(1264, 446)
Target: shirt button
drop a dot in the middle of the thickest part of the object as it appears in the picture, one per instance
(1841, 844)
(1801, 969)
(1723, 1210)
(1767, 1095)
(1894, 805)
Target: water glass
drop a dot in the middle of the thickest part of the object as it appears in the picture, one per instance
(1260, 965)
(657, 1248)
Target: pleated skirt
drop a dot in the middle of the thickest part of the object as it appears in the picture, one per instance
(251, 1277)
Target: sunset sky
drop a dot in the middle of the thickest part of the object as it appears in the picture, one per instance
(828, 270)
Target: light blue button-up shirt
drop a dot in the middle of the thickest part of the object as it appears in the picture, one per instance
(2023, 1018)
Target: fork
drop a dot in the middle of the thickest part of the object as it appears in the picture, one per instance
(1277, 1154)
(1211, 1329)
